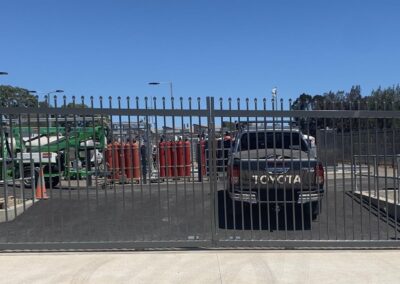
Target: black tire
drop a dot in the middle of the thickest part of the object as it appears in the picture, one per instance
(311, 214)
(55, 179)
(315, 210)
(27, 177)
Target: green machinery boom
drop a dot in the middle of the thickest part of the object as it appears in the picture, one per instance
(58, 150)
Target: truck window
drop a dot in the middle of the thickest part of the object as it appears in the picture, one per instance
(285, 140)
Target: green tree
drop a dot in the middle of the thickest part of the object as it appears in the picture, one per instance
(16, 96)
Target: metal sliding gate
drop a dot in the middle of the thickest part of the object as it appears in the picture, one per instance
(129, 174)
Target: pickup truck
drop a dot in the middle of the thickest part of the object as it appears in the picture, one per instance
(274, 167)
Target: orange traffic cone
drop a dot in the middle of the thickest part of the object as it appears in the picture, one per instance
(41, 187)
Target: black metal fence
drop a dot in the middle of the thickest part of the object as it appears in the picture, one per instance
(196, 173)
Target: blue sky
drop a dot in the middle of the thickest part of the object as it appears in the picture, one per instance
(206, 48)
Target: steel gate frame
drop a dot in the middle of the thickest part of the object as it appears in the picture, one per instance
(215, 242)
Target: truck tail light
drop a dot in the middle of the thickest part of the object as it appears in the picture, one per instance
(46, 155)
(234, 174)
(319, 174)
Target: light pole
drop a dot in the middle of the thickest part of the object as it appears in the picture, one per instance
(275, 97)
(159, 83)
(52, 92)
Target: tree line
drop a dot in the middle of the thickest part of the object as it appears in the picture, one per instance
(379, 99)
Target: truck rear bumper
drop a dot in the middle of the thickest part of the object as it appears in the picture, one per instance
(302, 197)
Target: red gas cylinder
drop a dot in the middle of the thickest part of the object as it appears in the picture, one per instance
(170, 162)
(136, 160)
(161, 158)
(113, 156)
(128, 160)
(180, 160)
(188, 162)
(131, 151)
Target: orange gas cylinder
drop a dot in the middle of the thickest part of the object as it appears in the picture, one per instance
(180, 159)
(161, 158)
(188, 162)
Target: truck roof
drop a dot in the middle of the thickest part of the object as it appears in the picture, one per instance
(270, 128)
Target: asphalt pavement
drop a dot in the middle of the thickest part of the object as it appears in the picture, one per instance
(182, 211)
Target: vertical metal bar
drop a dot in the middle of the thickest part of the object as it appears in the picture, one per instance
(249, 168)
(167, 169)
(326, 167)
(369, 176)
(285, 217)
(183, 168)
(3, 142)
(360, 172)
(258, 167)
(201, 169)
(32, 164)
(266, 164)
(224, 169)
(50, 177)
(213, 170)
(58, 150)
(275, 185)
(317, 158)
(310, 179)
(41, 170)
(242, 215)
(121, 154)
(175, 159)
(21, 165)
(192, 161)
(334, 126)
(141, 172)
(149, 162)
(107, 172)
(301, 207)
(87, 153)
(293, 202)
(131, 143)
(100, 137)
(385, 165)
(67, 150)
(76, 150)
(352, 176)
(232, 201)
(343, 175)
(114, 170)
(158, 167)
(376, 171)
(12, 166)
(395, 202)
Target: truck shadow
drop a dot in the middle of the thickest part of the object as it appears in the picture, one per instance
(256, 217)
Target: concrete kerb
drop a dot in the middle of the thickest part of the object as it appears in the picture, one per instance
(14, 211)
(380, 201)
